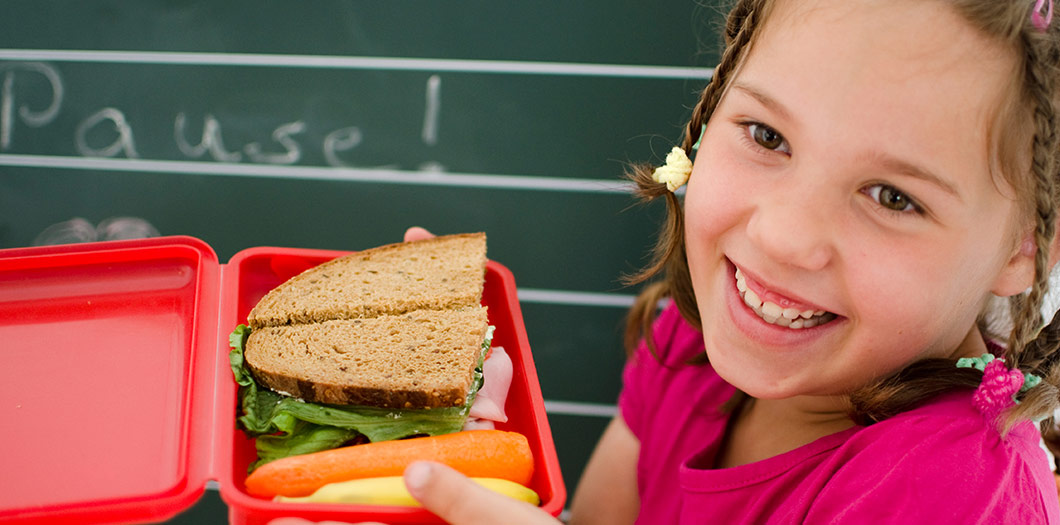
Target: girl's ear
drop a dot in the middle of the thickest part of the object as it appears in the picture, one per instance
(1018, 274)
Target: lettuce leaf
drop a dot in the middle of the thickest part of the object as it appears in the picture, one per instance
(303, 439)
(285, 426)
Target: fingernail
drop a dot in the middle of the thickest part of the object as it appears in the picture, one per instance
(417, 475)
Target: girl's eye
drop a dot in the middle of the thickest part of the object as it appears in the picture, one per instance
(891, 198)
(767, 137)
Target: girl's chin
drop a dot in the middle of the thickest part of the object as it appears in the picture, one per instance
(759, 387)
(766, 377)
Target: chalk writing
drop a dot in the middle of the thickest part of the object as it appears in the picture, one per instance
(123, 141)
(284, 136)
(107, 132)
(29, 116)
(343, 139)
(78, 229)
(211, 140)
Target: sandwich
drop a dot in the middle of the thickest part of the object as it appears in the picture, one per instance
(380, 344)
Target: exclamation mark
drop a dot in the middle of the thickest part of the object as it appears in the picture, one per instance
(430, 121)
(6, 107)
(430, 115)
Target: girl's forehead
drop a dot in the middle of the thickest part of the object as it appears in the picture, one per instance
(902, 37)
(911, 74)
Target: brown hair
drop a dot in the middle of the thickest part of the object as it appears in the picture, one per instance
(1031, 347)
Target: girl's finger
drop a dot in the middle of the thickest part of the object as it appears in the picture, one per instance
(460, 501)
(416, 233)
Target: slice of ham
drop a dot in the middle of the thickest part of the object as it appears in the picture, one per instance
(489, 402)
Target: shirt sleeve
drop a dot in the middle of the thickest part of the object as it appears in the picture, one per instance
(933, 470)
(635, 380)
(640, 376)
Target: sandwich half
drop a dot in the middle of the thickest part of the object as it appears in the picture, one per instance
(381, 344)
(441, 273)
(421, 359)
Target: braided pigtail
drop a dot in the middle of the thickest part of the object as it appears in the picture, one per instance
(1033, 348)
(669, 252)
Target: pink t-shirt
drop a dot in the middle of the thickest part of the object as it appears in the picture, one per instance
(940, 463)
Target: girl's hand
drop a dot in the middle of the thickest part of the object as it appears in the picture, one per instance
(416, 233)
(460, 501)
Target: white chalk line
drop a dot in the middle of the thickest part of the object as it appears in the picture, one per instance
(574, 408)
(535, 295)
(356, 62)
(376, 175)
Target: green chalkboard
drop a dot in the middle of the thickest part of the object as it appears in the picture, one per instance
(337, 124)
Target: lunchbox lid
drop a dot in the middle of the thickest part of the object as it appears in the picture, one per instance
(115, 387)
(108, 353)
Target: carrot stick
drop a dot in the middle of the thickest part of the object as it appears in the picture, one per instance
(476, 453)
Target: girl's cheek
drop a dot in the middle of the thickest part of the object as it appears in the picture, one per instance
(717, 192)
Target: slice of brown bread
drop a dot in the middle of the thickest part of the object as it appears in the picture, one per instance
(421, 359)
(433, 274)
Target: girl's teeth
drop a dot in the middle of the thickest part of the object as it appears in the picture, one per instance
(771, 310)
(750, 298)
(772, 313)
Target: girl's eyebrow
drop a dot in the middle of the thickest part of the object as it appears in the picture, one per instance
(883, 160)
(764, 99)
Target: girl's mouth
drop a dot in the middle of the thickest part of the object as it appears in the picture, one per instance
(772, 313)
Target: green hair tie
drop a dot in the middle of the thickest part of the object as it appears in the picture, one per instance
(702, 130)
(1029, 381)
(978, 363)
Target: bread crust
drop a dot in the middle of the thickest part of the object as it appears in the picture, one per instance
(314, 392)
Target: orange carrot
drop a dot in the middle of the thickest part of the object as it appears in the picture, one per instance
(477, 453)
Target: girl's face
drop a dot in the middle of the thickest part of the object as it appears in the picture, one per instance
(845, 180)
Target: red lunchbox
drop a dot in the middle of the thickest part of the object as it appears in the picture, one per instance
(117, 400)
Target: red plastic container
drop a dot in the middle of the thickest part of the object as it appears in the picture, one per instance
(116, 396)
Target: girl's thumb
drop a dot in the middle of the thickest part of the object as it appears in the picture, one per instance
(460, 501)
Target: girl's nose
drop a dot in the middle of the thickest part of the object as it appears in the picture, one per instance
(793, 226)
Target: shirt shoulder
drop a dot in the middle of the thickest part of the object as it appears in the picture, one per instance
(942, 461)
(647, 371)
(676, 341)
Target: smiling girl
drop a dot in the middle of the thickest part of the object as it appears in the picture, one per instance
(874, 180)
(870, 176)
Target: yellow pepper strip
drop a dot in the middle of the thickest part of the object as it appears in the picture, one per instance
(391, 490)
